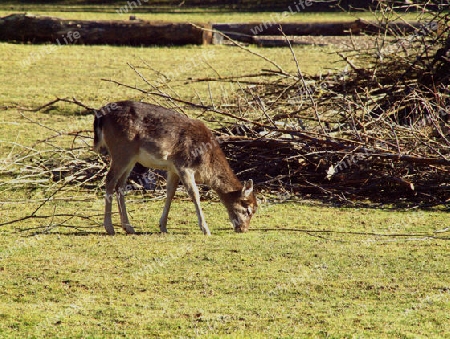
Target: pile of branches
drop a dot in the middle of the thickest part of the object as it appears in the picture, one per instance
(376, 131)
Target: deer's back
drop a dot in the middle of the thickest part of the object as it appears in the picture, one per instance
(154, 133)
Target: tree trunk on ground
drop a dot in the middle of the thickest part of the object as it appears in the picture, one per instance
(42, 29)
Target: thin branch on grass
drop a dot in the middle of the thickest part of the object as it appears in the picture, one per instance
(51, 103)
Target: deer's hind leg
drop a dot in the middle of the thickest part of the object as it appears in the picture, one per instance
(121, 190)
(115, 180)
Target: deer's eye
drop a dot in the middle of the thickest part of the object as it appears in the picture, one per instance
(245, 203)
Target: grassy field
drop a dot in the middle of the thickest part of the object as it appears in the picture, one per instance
(122, 11)
(114, 13)
(42, 72)
(304, 269)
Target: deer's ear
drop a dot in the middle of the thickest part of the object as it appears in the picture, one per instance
(247, 189)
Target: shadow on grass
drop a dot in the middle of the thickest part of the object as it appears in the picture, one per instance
(82, 232)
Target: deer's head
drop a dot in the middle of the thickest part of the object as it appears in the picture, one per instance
(243, 207)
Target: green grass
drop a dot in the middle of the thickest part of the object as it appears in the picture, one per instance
(111, 12)
(304, 269)
(197, 16)
(34, 74)
(301, 271)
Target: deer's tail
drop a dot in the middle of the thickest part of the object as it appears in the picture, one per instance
(98, 133)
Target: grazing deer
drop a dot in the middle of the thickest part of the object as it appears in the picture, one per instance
(161, 138)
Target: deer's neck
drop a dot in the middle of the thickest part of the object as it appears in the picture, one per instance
(222, 178)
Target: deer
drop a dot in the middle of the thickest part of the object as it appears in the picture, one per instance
(161, 138)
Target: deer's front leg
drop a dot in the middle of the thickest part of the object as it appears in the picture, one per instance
(188, 179)
(172, 183)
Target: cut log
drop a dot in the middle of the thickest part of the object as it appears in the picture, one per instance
(245, 32)
(43, 29)
(250, 32)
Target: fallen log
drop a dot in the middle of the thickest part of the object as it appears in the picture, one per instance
(245, 32)
(43, 29)
(253, 32)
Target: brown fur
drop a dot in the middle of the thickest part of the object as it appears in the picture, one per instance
(161, 138)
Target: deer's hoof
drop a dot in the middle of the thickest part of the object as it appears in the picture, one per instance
(129, 229)
(109, 230)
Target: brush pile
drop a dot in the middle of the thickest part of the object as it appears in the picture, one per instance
(377, 131)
